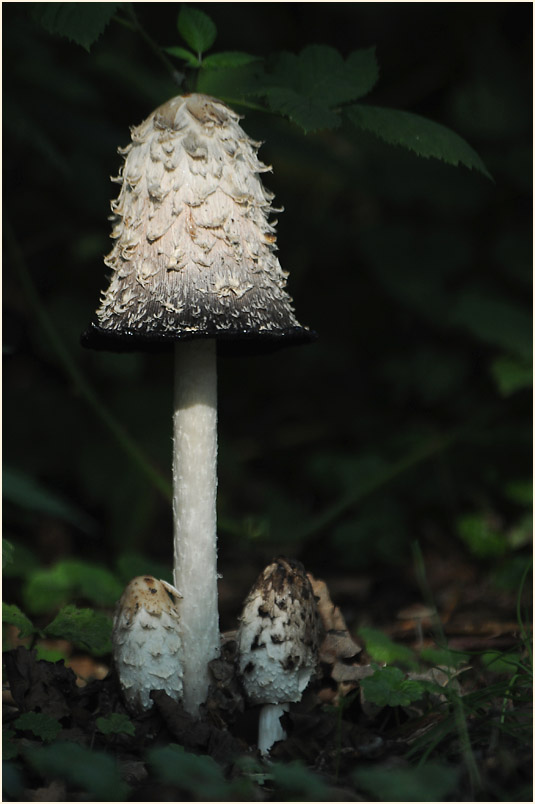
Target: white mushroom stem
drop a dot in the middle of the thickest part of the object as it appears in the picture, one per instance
(194, 510)
(270, 730)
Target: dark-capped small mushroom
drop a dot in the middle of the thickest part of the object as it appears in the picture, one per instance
(278, 642)
(146, 641)
(194, 267)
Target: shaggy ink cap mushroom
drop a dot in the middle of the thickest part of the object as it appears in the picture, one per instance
(194, 254)
(194, 266)
(147, 649)
(278, 644)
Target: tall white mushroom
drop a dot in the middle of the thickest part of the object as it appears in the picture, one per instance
(278, 644)
(194, 264)
(147, 649)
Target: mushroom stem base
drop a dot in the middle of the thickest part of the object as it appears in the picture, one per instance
(194, 510)
(270, 730)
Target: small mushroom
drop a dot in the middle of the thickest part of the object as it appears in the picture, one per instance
(415, 616)
(278, 643)
(194, 269)
(146, 641)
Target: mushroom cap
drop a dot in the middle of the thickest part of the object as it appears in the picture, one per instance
(146, 641)
(194, 253)
(278, 637)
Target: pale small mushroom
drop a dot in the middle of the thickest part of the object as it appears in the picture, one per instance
(147, 649)
(194, 268)
(278, 643)
(415, 615)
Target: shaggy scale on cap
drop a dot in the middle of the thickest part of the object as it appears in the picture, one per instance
(278, 637)
(194, 255)
(146, 642)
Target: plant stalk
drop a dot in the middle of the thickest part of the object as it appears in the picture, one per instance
(194, 512)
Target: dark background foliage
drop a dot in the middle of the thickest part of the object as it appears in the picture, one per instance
(409, 418)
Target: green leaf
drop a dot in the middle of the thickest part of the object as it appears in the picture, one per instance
(305, 111)
(429, 782)
(226, 59)
(389, 687)
(185, 55)
(23, 490)
(382, 649)
(520, 491)
(93, 772)
(49, 654)
(85, 628)
(425, 137)
(496, 321)
(511, 375)
(116, 724)
(46, 589)
(7, 552)
(294, 782)
(482, 539)
(500, 662)
(196, 28)
(444, 657)
(81, 23)
(319, 72)
(305, 88)
(43, 726)
(198, 775)
(12, 615)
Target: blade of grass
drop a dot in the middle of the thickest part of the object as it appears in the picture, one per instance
(459, 713)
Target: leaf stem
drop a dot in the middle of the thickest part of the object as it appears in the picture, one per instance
(175, 74)
(79, 381)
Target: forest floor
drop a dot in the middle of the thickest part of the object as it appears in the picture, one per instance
(418, 701)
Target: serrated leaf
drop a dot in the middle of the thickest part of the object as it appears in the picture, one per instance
(511, 375)
(116, 724)
(230, 58)
(307, 86)
(185, 55)
(389, 687)
(197, 29)
(23, 490)
(81, 23)
(382, 649)
(308, 113)
(12, 615)
(91, 771)
(425, 137)
(362, 71)
(319, 72)
(85, 628)
(43, 726)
